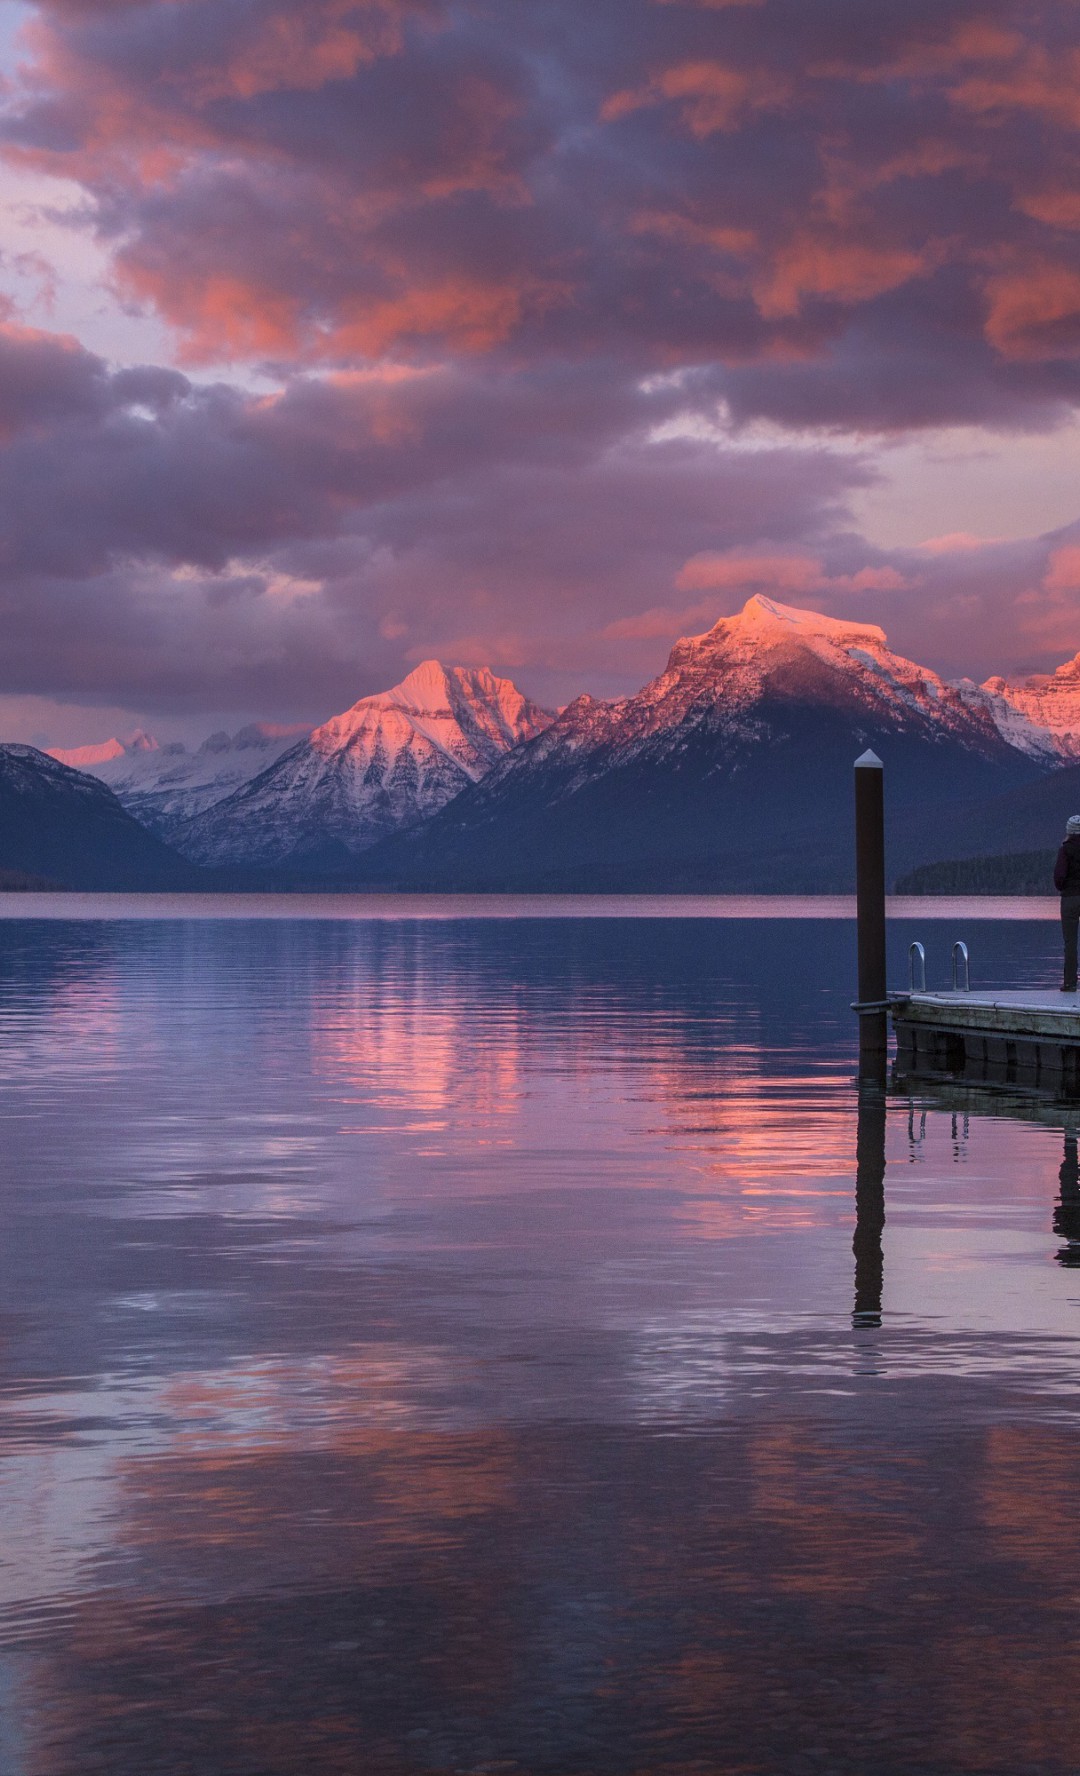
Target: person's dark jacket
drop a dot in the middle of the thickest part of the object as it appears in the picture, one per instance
(1067, 867)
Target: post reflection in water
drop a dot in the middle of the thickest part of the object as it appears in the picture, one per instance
(1067, 1212)
(428, 1350)
(869, 1204)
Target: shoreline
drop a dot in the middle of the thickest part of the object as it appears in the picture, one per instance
(58, 904)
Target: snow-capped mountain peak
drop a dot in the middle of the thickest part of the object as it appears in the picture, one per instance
(1042, 712)
(765, 631)
(464, 712)
(426, 690)
(775, 653)
(741, 722)
(764, 619)
(745, 687)
(392, 759)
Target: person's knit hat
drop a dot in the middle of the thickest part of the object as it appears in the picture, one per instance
(1072, 827)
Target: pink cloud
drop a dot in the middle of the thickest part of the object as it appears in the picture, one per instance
(342, 178)
(1058, 205)
(778, 573)
(781, 573)
(828, 265)
(661, 623)
(956, 542)
(928, 56)
(1034, 311)
(711, 96)
(873, 229)
(1040, 82)
(300, 48)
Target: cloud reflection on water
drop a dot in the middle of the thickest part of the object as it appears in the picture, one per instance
(431, 1347)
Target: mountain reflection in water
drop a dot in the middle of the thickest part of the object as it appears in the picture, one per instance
(523, 1347)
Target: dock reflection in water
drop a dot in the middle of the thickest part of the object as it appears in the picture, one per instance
(983, 1089)
(431, 1348)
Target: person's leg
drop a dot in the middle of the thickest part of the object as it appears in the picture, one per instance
(1070, 924)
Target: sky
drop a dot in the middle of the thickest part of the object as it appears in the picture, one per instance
(335, 336)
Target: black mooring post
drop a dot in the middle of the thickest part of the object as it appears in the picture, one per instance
(870, 896)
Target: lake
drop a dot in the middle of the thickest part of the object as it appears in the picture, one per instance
(503, 1337)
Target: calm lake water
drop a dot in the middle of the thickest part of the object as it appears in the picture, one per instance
(448, 1344)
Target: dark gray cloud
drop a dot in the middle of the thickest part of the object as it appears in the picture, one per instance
(526, 274)
(189, 547)
(178, 547)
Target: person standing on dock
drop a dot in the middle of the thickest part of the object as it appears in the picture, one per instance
(1067, 883)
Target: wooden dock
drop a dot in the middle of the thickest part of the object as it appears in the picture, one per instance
(1028, 1034)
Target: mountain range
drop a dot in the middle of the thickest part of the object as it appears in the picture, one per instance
(164, 786)
(730, 770)
(68, 829)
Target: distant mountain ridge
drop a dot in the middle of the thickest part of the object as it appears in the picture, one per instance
(165, 785)
(729, 769)
(93, 758)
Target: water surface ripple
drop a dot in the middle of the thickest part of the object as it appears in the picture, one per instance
(493, 1344)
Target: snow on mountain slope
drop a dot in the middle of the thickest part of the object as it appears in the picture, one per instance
(391, 760)
(164, 786)
(1041, 715)
(88, 758)
(770, 651)
(771, 655)
(738, 752)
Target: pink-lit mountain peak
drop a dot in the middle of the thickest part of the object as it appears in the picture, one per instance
(165, 784)
(765, 621)
(1038, 715)
(391, 760)
(748, 734)
(766, 635)
(777, 650)
(466, 712)
(746, 680)
(772, 646)
(775, 653)
(1051, 701)
(103, 752)
(427, 689)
